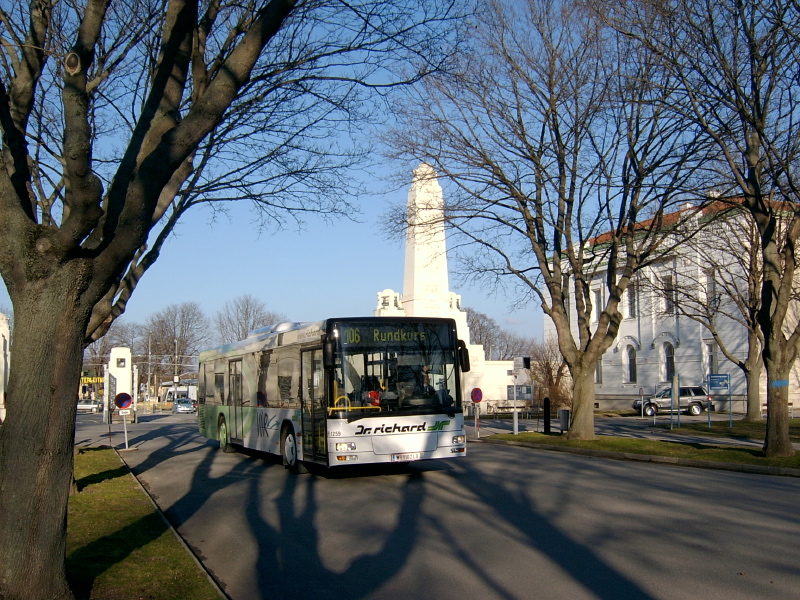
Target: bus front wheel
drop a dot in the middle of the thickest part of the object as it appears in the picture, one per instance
(289, 452)
(222, 435)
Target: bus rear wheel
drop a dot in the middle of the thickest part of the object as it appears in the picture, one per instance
(222, 435)
(289, 452)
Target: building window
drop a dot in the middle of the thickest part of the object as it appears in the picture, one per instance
(711, 291)
(669, 361)
(631, 300)
(711, 358)
(597, 301)
(598, 371)
(631, 371)
(669, 295)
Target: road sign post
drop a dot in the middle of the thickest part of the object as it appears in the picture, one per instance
(123, 402)
(477, 396)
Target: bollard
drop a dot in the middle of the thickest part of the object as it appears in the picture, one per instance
(547, 415)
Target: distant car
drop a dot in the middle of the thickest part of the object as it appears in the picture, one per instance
(693, 400)
(182, 405)
(89, 406)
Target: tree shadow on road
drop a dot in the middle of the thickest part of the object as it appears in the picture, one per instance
(290, 562)
(281, 514)
(511, 505)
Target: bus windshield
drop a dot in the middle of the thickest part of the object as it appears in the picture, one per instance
(402, 368)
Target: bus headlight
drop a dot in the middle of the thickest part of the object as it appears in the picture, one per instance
(459, 439)
(345, 446)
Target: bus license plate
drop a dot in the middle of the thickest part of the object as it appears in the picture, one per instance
(406, 456)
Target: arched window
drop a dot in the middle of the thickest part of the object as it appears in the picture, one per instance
(631, 364)
(669, 361)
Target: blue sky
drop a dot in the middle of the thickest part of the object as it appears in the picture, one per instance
(327, 270)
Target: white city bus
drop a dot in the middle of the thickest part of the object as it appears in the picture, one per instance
(338, 392)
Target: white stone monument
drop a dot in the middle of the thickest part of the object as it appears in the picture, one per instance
(426, 287)
(5, 349)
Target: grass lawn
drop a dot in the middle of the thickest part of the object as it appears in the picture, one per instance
(118, 546)
(676, 449)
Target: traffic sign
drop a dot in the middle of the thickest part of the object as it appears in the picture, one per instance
(719, 382)
(123, 400)
(124, 412)
(476, 395)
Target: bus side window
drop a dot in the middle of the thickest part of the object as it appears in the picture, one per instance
(288, 377)
(261, 385)
(250, 374)
(201, 384)
(219, 386)
(220, 369)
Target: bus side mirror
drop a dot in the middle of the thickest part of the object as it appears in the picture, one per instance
(463, 356)
(328, 359)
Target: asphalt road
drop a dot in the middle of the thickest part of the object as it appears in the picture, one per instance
(504, 523)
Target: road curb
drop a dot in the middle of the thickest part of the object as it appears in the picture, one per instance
(174, 531)
(681, 462)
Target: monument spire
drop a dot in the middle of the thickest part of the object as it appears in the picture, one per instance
(426, 290)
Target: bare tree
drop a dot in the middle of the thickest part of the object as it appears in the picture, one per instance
(117, 118)
(238, 317)
(562, 168)
(483, 330)
(175, 336)
(549, 373)
(732, 68)
(498, 343)
(509, 345)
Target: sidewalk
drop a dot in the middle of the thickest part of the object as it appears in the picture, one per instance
(618, 426)
(630, 427)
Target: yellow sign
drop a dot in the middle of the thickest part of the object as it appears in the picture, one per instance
(85, 380)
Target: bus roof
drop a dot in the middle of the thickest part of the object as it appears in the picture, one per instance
(281, 334)
(270, 336)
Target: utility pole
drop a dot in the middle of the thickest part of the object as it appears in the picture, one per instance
(149, 366)
(175, 376)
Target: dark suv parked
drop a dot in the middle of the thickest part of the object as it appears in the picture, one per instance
(693, 400)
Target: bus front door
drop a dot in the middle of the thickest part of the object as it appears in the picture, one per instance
(235, 382)
(314, 413)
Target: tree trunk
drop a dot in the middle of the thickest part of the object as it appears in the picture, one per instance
(582, 425)
(753, 380)
(35, 476)
(777, 442)
(752, 374)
